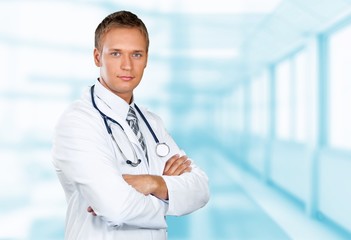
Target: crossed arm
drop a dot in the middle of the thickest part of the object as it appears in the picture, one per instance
(153, 184)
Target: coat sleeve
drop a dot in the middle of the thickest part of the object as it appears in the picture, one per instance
(189, 191)
(82, 153)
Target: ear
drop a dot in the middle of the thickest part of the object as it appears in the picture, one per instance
(97, 57)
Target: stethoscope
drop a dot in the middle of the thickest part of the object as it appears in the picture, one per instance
(161, 149)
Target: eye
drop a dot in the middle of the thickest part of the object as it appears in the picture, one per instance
(115, 54)
(137, 55)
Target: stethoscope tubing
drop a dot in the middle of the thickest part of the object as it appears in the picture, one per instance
(147, 124)
(103, 115)
(106, 118)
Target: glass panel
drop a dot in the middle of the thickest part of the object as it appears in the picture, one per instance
(255, 99)
(339, 89)
(283, 100)
(300, 81)
(259, 105)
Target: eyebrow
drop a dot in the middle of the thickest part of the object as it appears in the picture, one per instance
(117, 49)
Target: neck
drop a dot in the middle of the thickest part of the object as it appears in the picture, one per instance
(126, 97)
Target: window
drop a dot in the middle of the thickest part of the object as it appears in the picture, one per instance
(291, 97)
(339, 96)
(300, 109)
(259, 105)
(283, 100)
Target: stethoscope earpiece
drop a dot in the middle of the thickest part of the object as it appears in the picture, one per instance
(133, 164)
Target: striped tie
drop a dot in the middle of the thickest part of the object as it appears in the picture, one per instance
(133, 123)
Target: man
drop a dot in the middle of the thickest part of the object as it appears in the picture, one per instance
(116, 183)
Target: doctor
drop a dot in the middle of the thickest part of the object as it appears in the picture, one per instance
(121, 180)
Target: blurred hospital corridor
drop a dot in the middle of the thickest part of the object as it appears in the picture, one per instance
(256, 92)
(242, 207)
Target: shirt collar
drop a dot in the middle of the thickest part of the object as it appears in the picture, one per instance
(114, 102)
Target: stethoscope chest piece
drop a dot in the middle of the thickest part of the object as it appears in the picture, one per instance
(162, 149)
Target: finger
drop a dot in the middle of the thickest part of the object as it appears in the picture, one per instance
(173, 166)
(184, 167)
(91, 210)
(126, 176)
(170, 162)
(188, 169)
(129, 178)
(181, 168)
(176, 164)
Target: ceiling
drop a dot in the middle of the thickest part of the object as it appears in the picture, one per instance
(199, 40)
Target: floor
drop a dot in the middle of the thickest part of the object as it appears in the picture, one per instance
(243, 208)
(240, 208)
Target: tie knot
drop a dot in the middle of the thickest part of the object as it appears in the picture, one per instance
(131, 115)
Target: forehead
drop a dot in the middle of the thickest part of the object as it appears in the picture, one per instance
(124, 37)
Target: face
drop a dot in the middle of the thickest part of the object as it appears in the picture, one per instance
(122, 60)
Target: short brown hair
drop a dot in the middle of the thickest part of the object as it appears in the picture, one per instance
(120, 19)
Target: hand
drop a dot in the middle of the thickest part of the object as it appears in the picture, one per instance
(91, 210)
(142, 183)
(155, 185)
(148, 184)
(176, 166)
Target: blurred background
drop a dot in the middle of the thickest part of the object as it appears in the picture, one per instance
(257, 92)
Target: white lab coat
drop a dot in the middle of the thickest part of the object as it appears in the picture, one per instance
(90, 169)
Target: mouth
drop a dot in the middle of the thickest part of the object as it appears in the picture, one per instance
(126, 78)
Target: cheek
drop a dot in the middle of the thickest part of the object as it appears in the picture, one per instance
(110, 66)
(141, 67)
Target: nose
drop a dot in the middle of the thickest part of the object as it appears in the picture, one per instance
(126, 63)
